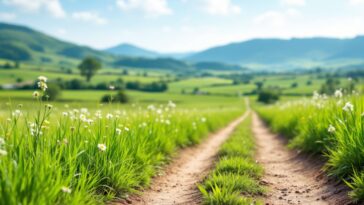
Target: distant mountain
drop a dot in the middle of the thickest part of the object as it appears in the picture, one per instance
(130, 50)
(158, 63)
(20, 43)
(24, 44)
(279, 51)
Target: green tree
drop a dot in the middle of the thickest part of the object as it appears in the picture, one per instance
(52, 93)
(330, 86)
(16, 64)
(120, 97)
(89, 67)
(259, 85)
(268, 95)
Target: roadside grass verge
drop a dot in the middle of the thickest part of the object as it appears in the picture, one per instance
(333, 127)
(235, 179)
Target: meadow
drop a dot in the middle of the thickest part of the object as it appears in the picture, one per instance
(52, 154)
(79, 150)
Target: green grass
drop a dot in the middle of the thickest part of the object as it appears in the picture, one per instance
(235, 179)
(307, 124)
(189, 84)
(54, 154)
(92, 98)
(221, 86)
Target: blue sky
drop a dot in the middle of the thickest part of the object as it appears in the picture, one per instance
(184, 25)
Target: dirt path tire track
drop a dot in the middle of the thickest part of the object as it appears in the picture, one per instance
(293, 178)
(178, 183)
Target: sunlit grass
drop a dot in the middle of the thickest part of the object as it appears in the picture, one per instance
(59, 154)
(235, 179)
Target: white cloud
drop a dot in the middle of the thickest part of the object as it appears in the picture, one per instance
(89, 16)
(221, 7)
(293, 2)
(61, 31)
(276, 18)
(356, 2)
(166, 29)
(7, 16)
(149, 7)
(53, 7)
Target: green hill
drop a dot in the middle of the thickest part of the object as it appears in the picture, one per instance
(132, 51)
(21, 43)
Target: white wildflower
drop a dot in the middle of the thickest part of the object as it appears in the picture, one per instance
(16, 113)
(111, 87)
(66, 190)
(98, 114)
(35, 94)
(42, 79)
(83, 118)
(151, 107)
(42, 85)
(109, 116)
(331, 129)
(2, 141)
(171, 104)
(101, 147)
(338, 93)
(3, 152)
(159, 111)
(348, 107)
(316, 95)
(90, 121)
(118, 131)
(168, 122)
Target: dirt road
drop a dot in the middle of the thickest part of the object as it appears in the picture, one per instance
(293, 178)
(178, 184)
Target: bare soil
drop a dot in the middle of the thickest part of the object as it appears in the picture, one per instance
(293, 178)
(178, 183)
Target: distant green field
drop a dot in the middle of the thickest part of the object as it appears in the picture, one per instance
(306, 84)
(10, 76)
(92, 98)
(189, 84)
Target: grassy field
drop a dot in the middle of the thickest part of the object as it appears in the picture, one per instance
(91, 98)
(56, 155)
(332, 126)
(81, 151)
(290, 84)
(10, 76)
